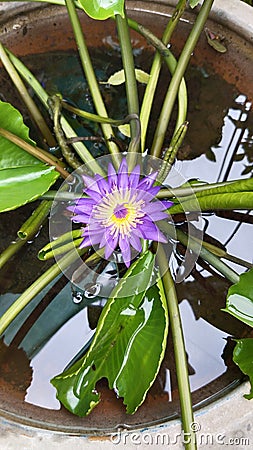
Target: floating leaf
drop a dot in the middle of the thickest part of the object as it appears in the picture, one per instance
(243, 357)
(119, 77)
(23, 177)
(103, 9)
(130, 339)
(240, 299)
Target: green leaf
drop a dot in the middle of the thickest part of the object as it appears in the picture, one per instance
(243, 357)
(103, 9)
(240, 299)
(23, 177)
(128, 346)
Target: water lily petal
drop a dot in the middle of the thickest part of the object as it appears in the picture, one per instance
(147, 182)
(123, 175)
(90, 183)
(125, 250)
(112, 176)
(134, 177)
(102, 184)
(135, 242)
(151, 231)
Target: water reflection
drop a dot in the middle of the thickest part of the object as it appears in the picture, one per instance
(204, 345)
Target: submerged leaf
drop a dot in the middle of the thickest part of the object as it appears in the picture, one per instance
(130, 338)
(103, 9)
(243, 357)
(240, 299)
(23, 177)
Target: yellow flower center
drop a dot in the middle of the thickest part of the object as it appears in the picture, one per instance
(119, 211)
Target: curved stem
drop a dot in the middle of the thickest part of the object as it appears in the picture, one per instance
(177, 78)
(179, 350)
(91, 77)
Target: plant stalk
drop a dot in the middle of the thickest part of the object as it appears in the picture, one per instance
(177, 78)
(131, 84)
(179, 351)
(30, 104)
(155, 70)
(80, 148)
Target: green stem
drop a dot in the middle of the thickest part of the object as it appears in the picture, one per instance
(179, 350)
(26, 232)
(80, 148)
(91, 77)
(155, 70)
(177, 78)
(35, 288)
(30, 104)
(131, 84)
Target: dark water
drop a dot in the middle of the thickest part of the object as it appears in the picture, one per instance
(48, 334)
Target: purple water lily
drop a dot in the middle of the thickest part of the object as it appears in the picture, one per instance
(120, 211)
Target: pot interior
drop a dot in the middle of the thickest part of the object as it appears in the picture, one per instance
(220, 114)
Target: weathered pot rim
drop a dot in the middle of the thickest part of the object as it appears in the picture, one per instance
(234, 405)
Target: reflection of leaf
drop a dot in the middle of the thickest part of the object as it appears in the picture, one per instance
(240, 299)
(130, 339)
(103, 9)
(243, 357)
(23, 177)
